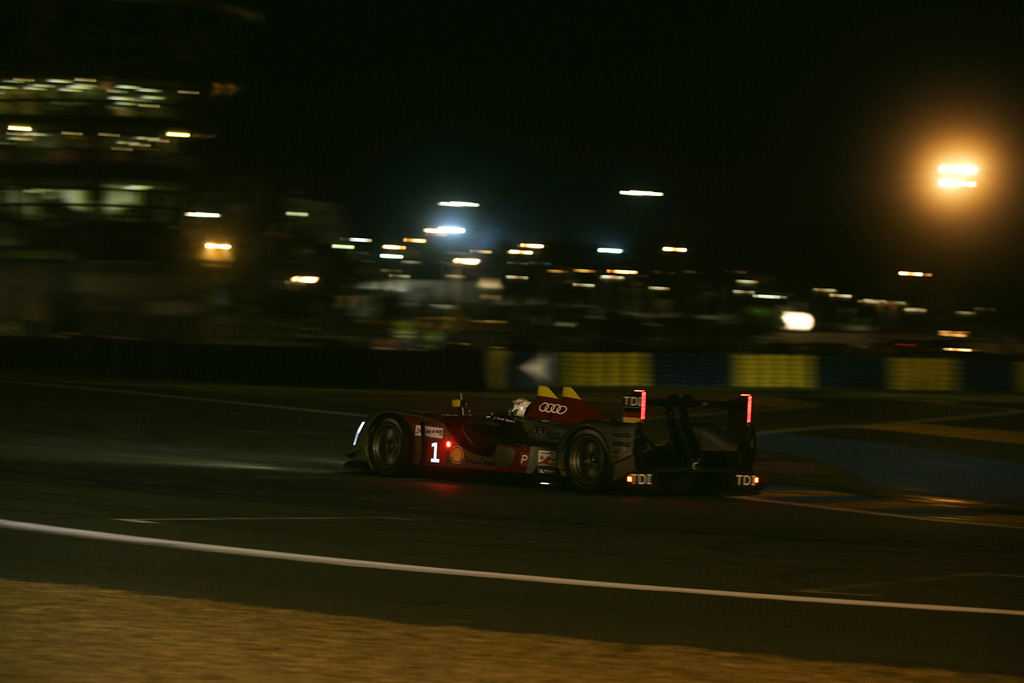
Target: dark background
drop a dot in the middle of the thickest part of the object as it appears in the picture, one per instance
(796, 137)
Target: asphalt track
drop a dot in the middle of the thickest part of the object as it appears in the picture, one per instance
(238, 495)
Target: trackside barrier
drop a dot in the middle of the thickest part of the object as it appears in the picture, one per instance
(774, 370)
(606, 369)
(782, 371)
(923, 374)
(467, 369)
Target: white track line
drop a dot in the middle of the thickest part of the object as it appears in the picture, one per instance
(151, 394)
(446, 571)
(157, 520)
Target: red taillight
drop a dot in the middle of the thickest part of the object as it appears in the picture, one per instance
(448, 444)
(750, 407)
(629, 478)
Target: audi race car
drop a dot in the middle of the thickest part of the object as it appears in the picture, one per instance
(694, 445)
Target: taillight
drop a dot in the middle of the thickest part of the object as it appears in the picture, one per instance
(750, 407)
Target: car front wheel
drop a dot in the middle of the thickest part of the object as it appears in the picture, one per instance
(389, 448)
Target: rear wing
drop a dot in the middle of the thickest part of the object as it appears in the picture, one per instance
(740, 409)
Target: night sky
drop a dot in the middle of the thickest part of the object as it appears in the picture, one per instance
(799, 137)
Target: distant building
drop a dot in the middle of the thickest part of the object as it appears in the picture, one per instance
(107, 109)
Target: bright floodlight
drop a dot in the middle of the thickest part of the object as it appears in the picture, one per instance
(958, 175)
(178, 134)
(913, 273)
(223, 246)
(678, 250)
(641, 193)
(304, 279)
(14, 128)
(609, 250)
(445, 230)
(201, 214)
(797, 321)
(459, 204)
(466, 261)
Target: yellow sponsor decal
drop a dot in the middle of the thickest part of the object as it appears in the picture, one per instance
(457, 455)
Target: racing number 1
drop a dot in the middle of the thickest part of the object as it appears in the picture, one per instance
(433, 451)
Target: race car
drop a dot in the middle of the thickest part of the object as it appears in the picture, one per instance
(706, 446)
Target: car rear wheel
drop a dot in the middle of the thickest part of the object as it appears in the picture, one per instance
(587, 463)
(389, 448)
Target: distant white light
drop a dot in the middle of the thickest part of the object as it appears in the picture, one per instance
(609, 250)
(14, 128)
(678, 250)
(957, 349)
(360, 239)
(304, 279)
(466, 261)
(297, 214)
(459, 204)
(609, 276)
(621, 271)
(178, 134)
(913, 273)
(137, 188)
(224, 246)
(520, 252)
(659, 288)
(415, 240)
(445, 230)
(797, 321)
(585, 285)
(201, 214)
(915, 310)
(393, 247)
(517, 277)
(531, 245)
(641, 193)
(343, 246)
(389, 255)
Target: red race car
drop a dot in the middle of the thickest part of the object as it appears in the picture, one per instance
(691, 445)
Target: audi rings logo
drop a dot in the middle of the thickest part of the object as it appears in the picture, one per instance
(553, 408)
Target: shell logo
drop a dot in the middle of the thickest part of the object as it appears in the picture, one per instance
(457, 455)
